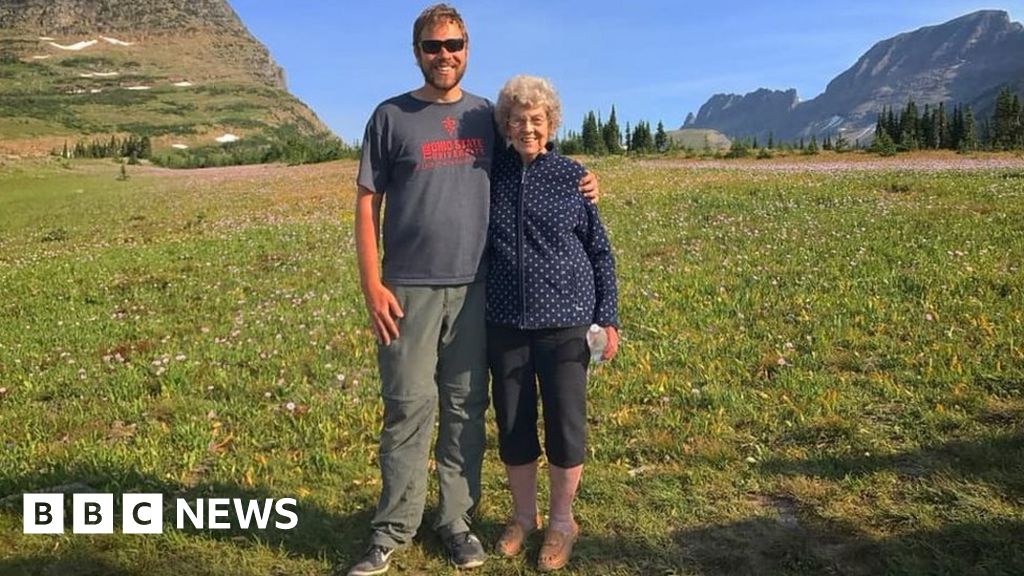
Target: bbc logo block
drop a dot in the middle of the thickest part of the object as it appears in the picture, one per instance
(144, 513)
(43, 513)
(93, 514)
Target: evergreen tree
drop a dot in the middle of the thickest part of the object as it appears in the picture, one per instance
(969, 139)
(1018, 123)
(660, 138)
(942, 126)
(1002, 121)
(956, 127)
(771, 140)
(927, 127)
(892, 126)
(643, 142)
(883, 144)
(612, 135)
(812, 147)
(629, 138)
(592, 141)
(841, 144)
(909, 136)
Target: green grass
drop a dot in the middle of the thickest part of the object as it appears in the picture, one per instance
(819, 375)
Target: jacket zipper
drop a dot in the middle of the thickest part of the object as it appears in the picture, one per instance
(519, 247)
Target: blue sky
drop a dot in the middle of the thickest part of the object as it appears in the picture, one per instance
(654, 60)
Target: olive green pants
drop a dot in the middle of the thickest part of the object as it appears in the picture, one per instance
(437, 364)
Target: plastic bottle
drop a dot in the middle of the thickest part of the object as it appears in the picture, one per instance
(597, 341)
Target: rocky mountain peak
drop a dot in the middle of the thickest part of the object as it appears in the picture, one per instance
(963, 60)
(136, 19)
(64, 17)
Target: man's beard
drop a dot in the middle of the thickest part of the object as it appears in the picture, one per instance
(428, 77)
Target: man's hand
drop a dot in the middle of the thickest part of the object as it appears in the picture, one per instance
(612, 348)
(384, 312)
(589, 188)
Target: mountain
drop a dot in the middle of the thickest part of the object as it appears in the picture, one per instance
(183, 72)
(966, 60)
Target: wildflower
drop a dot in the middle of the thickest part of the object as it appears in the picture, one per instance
(290, 406)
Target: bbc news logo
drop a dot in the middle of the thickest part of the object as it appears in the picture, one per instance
(144, 514)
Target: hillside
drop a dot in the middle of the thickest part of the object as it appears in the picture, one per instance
(184, 72)
(965, 60)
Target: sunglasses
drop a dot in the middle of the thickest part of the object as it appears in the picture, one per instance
(452, 45)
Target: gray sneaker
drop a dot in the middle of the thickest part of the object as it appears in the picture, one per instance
(465, 550)
(377, 560)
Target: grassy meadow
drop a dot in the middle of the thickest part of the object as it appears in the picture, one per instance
(821, 373)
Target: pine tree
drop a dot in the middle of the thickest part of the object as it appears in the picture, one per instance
(927, 128)
(629, 138)
(1018, 123)
(612, 135)
(892, 126)
(642, 140)
(942, 126)
(841, 144)
(592, 141)
(812, 147)
(969, 140)
(660, 138)
(771, 141)
(883, 144)
(909, 135)
(956, 127)
(1003, 129)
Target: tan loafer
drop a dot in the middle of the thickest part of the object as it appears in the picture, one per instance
(514, 537)
(557, 548)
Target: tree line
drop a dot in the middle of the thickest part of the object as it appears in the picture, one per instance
(932, 127)
(131, 147)
(284, 144)
(935, 129)
(599, 138)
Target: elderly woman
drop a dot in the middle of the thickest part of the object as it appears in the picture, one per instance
(551, 275)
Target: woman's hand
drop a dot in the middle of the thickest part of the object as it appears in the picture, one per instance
(613, 343)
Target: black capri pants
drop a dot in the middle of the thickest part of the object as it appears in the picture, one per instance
(556, 359)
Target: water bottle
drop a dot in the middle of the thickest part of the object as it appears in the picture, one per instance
(597, 341)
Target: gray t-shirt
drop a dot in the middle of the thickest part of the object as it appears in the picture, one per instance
(432, 163)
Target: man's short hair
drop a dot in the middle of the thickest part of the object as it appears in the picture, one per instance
(433, 16)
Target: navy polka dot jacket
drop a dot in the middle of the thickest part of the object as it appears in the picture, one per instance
(550, 263)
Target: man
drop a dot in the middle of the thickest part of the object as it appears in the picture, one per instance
(428, 153)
